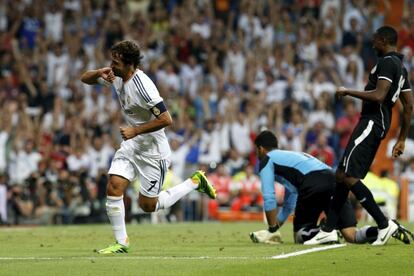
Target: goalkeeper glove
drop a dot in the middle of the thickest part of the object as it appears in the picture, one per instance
(264, 236)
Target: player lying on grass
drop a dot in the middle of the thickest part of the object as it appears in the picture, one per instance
(309, 185)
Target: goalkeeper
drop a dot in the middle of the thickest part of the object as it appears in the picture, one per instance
(309, 186)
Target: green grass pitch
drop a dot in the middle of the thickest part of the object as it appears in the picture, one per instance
(187, 249)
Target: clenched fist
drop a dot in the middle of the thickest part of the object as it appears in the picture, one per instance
(398, 149)
(341, 91)
(128, 132)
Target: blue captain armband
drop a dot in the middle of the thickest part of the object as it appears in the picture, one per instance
(158, 109)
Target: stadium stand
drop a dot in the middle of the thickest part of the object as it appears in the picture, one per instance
(226, 69)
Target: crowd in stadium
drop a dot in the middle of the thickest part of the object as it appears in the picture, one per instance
(226, 70)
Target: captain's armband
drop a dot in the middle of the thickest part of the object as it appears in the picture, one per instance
(158, 109)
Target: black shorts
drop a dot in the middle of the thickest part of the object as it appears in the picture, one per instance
(361, 149)
(314, 197)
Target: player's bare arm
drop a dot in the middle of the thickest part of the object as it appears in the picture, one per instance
(92, 76)
(407, 102)
(163, 120)
(377, 95)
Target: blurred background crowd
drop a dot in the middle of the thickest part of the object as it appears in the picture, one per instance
(226, 69)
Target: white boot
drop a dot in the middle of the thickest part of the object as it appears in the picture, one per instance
(385, 234)
(323, 237)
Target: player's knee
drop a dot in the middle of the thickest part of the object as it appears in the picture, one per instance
(114, 188)
(349, 234)
(349, 237)
(148, 206)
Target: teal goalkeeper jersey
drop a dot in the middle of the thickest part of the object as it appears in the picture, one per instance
(289, 169)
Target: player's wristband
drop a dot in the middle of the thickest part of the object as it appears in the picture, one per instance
(273, 229)
(104, 82)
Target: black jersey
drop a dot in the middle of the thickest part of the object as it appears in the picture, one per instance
(390, 68)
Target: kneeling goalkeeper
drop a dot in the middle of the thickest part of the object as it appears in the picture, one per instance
(309, 185)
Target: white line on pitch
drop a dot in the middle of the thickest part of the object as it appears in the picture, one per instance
(281, 256)
(307, 251)
(129, 258)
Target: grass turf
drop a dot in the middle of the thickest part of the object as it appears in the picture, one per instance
(173, 249)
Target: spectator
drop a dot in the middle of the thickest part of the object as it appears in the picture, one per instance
(288, 140)
(24, 162)
(3, 199)
(210, 145)
(100, 155)
(346, 123)
(240, 134)
(226, 69)
(235, 63)
(322, 150)
(222, 183)
(246, 187)
(235, 162)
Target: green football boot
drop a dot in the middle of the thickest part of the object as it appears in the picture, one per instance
(204, 185)
(114, 249)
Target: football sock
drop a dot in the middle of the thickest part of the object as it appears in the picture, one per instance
(364, 196)
(116, 213)
(305, 234)
(366, 234)
(167, 198)
(338, 200)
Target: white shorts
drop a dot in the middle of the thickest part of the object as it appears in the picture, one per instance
(151, 171)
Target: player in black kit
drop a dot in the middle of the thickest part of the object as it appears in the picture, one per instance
(387, 83)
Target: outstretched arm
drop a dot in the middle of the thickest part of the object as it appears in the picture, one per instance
(407, 102)
(378, 95)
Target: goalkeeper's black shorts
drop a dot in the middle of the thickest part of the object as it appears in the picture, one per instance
(314, 197)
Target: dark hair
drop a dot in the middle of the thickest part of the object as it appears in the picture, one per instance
(128, 51)
(266, 139)
(389, 34)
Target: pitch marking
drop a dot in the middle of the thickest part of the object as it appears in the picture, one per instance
(128, 258)
(307, 251)
(281, 256)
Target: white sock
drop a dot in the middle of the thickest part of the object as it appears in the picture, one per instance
(363, 236)
(116, 213)
(167, 198)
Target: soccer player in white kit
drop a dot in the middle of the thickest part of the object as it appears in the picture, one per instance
(145, 150)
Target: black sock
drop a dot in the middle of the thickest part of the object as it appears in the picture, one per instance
(364, 195)
(372, 233)
(366, 234)
(338, 200)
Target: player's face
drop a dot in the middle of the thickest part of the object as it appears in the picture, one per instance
(117, 66)
(378, 44)
(260, 151)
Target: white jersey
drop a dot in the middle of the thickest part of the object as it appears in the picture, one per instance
(137, 96)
